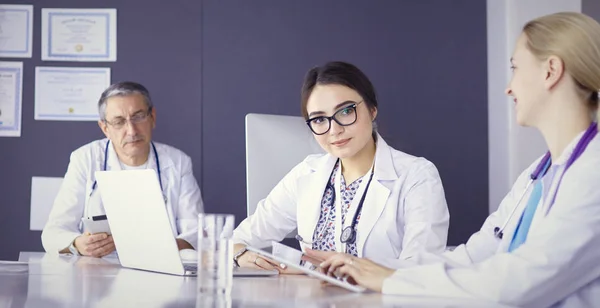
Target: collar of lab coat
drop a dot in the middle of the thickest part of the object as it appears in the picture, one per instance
(564, 156)
(543, 205)
(314, 186)
(384, 164)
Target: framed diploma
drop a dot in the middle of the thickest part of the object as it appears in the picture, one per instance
(11, 90)
(69, 93)
(16, 23)
(79, 35)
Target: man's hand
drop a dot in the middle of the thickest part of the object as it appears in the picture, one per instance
(94, 245)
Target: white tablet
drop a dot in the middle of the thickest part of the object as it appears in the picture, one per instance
(313, 273)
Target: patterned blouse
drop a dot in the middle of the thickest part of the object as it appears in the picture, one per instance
(323, 237)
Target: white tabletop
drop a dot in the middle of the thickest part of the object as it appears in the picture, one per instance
(67, 281)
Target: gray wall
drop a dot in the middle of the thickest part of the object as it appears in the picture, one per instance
(427, 60)
(591, 8)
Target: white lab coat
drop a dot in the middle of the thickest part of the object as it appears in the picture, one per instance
(74, 201)
(558, 265)
(404, 211)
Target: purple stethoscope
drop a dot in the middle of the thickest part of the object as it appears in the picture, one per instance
(540, 170)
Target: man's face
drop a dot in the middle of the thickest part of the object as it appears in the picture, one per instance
(128, 124)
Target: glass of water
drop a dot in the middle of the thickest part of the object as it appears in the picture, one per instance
(215, 253)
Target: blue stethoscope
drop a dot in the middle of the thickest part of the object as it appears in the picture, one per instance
(541, 169)
(104, 167)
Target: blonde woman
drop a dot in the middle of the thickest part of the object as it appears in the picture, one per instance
(542, 247)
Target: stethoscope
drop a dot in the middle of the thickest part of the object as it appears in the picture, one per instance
(541, 169)
(104, 167)
(348, 235)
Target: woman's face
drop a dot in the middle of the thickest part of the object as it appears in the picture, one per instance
(527, 86)
(349, 108)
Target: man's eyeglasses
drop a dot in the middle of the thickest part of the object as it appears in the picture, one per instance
(344, 117)
(137, 118)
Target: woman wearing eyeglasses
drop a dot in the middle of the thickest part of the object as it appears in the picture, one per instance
(363, 197)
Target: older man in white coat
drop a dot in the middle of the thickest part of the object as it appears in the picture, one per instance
(127, 118)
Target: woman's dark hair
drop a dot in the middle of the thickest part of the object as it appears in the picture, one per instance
(338, 73)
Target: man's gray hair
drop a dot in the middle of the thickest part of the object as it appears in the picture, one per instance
(124, 88)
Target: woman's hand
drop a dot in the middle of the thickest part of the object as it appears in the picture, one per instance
(316, 257)
(253, 260)
(363, 272)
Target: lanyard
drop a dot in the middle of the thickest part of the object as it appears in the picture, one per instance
(587, 137)
(585, 140)
(522, 228)
(355, 206)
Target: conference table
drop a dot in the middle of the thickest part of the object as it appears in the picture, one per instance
(50, 280)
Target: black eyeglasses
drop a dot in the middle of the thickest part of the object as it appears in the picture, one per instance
(344, 117)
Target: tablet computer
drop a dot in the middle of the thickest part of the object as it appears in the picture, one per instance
(310, 272)
(96, 224)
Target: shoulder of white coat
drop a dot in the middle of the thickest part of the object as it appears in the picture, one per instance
(585, 169)
(578, 193)
(405, 164)
(404, 161)
(315, 159)
(387, 157)
(310, 164)
(172, 155)
(91, 149)
(591, 155)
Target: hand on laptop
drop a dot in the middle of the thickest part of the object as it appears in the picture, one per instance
(95, 245)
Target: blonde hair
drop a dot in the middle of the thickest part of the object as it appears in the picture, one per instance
(575, 39)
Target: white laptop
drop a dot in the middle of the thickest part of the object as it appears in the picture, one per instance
(140, 226)
(274, 145)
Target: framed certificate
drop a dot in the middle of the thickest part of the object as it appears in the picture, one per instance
(11, 90)
(69, 93)
(79, 35)
(16, 23)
